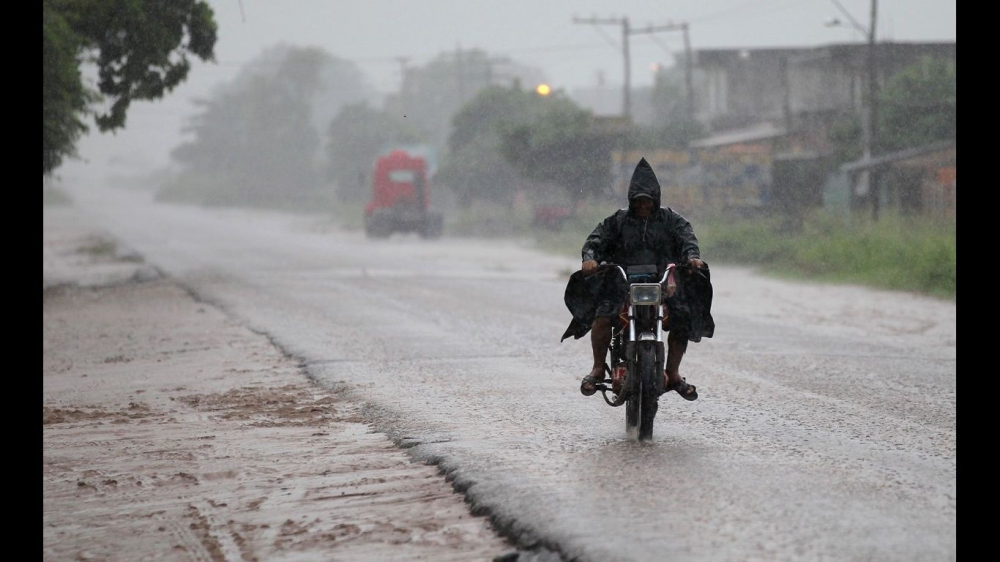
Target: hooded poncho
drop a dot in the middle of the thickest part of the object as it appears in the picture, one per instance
(661, 238)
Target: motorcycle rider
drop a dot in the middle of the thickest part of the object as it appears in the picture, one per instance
(646, 233)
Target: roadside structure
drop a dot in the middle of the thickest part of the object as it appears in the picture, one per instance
(728, 172)
(769, 113)
(919, 180)
(799, 88)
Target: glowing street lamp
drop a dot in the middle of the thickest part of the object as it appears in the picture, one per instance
(543, 90)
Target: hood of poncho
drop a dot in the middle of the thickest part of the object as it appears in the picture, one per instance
(644, 182)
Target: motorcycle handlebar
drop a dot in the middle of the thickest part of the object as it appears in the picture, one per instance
(608, 265)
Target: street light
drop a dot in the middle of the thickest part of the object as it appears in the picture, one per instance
(543, 90)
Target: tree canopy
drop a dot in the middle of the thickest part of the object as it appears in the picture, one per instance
(558, 146)
(140, 48)
(509, 138)
(255, 141)
(915, 107)
(474, 166)
(64, 97)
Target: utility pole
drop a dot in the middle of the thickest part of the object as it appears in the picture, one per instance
(627, 98)
(871, 129)
(461, 74)
(626, 32)
(869, 113)
(786, 98)
(402, 71)
(403, 88)
(490, 62)
(688, 69)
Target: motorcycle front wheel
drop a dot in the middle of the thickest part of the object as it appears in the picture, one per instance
(643, 399)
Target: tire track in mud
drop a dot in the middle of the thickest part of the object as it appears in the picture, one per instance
(219, 545)
(212, 460)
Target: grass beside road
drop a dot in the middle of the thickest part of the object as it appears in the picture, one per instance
(896, 253)
(349, 214)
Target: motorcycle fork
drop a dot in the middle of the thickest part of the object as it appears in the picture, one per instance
(629, 357)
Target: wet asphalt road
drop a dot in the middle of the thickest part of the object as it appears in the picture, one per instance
(825, 427)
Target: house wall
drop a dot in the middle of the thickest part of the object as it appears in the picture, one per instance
(732, 178)
(923, 185)
(736, 177)
(821, 87)
(743, 86)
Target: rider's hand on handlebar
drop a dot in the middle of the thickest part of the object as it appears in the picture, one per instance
(695, 263)
(589, 266)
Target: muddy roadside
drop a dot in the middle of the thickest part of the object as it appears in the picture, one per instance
(172, 432)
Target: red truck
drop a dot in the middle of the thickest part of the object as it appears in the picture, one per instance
(400, 198)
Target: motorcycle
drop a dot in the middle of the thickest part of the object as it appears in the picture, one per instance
(637, 347)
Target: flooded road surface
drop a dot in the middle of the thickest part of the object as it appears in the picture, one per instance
(825, 427)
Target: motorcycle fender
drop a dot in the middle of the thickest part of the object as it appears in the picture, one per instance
(661, 363)
(630, 378)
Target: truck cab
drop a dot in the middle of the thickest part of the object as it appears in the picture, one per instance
(400, 198)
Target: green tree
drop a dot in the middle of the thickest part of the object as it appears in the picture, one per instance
(558, 146)
(474, 166)
(507, 135)
(64, 99)
(915, 107)
(140, 48)
(255, 143)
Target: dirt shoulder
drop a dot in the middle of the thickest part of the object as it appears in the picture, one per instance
(172, 432)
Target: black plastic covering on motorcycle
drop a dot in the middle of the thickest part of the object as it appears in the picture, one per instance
(690, 309)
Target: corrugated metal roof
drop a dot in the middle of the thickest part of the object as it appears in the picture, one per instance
(864, 164)
(759, 132)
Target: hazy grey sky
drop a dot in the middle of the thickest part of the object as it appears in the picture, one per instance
(534, 32)
(540, 32)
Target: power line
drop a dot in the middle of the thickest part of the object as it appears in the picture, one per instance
(665, 48)
(848, 15)
(727, 16)
(607, 38)
(555, 48)
(395, 60)
(728, 13)
(688, 61)
(649, 29)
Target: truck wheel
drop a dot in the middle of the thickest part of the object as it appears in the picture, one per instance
(376, 229)
(431, 227)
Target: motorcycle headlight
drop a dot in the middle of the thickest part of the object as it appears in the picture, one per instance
(645, 293)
